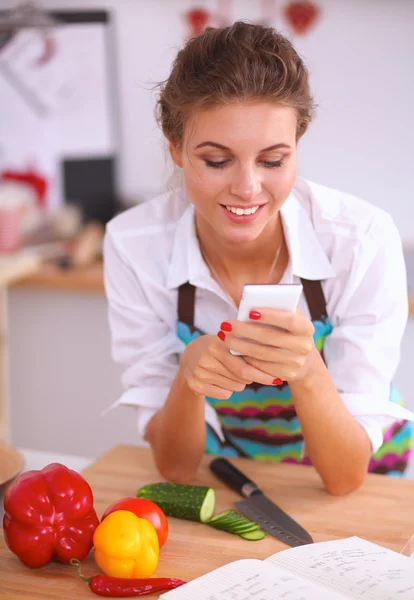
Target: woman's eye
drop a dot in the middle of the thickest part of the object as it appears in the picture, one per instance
(220, 164)
(272, 164)
(217, 164)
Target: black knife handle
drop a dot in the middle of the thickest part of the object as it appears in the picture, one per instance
(234, 478)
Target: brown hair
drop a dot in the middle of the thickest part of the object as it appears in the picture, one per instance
(240, 62)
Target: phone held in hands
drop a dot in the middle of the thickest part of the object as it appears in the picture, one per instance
(280, 296)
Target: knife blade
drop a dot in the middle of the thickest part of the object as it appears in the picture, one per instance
(258, 507)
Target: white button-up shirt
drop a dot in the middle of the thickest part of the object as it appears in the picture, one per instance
(352, 246)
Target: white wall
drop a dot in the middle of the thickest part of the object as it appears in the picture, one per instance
(360, 57)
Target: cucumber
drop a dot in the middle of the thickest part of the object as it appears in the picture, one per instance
(192, 502)
(253, 535)
(233, 522)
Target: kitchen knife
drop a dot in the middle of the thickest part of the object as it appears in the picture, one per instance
(258, 508)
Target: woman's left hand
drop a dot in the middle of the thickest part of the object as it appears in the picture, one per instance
(286, 351)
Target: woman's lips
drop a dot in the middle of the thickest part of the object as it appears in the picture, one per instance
(242, 218)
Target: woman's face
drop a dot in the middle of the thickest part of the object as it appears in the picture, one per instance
(239, 166)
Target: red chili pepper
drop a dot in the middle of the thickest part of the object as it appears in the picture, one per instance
(119, 587)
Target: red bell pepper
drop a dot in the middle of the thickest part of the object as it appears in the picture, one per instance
(49, 515)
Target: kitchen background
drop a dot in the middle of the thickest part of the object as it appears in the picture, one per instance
(360, 55)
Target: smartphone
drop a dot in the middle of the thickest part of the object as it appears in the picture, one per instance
(281, 296)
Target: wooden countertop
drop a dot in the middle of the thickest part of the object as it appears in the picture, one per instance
(14, 268)
(381, 512)
(51, 277)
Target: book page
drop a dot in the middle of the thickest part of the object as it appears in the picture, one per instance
(250, 579)
(354, 567)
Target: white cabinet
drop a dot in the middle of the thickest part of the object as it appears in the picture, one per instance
(62, 375)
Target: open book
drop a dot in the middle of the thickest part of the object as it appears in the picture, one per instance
(339, 570)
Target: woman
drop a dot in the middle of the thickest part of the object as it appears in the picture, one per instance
(316, 388)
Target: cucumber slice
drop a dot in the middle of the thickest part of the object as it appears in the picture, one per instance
(253, 535)
(192, 502)
(233, 522)
(223, 517)
(244, 528)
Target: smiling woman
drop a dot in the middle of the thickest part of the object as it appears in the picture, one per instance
(244, 182)
(312, 387)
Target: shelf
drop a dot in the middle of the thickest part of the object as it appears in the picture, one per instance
(14, 268)
(51, 277)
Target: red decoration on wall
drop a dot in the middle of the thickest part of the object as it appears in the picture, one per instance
(30, 177)
(197, 19)
(301, 15)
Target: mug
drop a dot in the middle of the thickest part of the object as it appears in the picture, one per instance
(10, 228)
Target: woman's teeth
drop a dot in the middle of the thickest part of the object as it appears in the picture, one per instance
(241, 211)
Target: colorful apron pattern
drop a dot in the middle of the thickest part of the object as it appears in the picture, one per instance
(261, 422)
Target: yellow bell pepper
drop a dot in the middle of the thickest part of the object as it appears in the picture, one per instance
(126, 546)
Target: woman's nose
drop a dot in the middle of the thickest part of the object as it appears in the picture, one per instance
(247, 185)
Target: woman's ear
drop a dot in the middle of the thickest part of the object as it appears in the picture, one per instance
(176, 154)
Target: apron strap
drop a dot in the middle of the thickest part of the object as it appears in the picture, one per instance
(312, 289)
(186, 303)
(315, 299)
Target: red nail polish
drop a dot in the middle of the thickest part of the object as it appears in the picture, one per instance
(225, 326)
(255, 315)
(277, 381)
(221, 335)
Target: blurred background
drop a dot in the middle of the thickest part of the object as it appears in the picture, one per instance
(79, 143)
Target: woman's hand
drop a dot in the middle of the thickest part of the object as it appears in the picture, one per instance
(285, 351)
(210, 369)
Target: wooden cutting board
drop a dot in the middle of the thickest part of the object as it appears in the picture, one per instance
(381, 512)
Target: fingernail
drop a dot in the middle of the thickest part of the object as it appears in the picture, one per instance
(221, 335)
(277, 381)
(225, 326)
(255, 315)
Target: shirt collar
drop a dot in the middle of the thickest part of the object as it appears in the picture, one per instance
(307, 257)
(187, 263)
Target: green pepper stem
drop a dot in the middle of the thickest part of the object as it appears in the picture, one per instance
(76, 563)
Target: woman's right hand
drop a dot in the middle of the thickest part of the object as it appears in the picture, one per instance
(210, 370)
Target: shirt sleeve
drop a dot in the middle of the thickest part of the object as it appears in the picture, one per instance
(363, 351)
(142, 342)
(146, 347)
